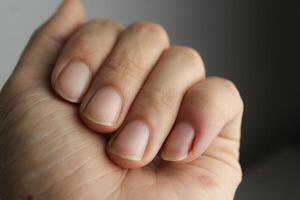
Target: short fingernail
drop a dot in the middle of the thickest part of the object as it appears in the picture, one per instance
(179, 142)
(132, 141)
(73, 81)
(104, 107)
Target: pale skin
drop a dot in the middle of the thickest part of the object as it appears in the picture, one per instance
(95, 110)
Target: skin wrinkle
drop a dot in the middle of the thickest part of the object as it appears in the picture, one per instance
(66, 156)
(55, 115)
(58, 148)
(28, 110)
(187, 174)
(120, 188)
(45, 37)
(9, 125)
(28, 149)
(223, 147)
(35, 104)
(155, 182)
(225, 136)
(123, 174)
(233, 145)
(62, 158)
(117, 67)
(227, 151)
(211, 155)
(55, 130)
(117, 186)
(66, 131)
(37, 123)
(12, 99)
(68, 175)
(50, 133)
(237, 116)
(150, 169)
(53, 164)
(172, 185)
(59, 42)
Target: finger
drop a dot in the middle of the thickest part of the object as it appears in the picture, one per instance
(47, 41)
(154, 111)
(118, 81)
(211, 107)
(82, 56)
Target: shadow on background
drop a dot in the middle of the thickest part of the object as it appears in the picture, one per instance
(272, 102)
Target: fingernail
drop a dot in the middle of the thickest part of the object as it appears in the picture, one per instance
(73, 81)
(132, 141)
(179, 142)
(104, 107)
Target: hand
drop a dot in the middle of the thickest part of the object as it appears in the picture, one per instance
(154, 97)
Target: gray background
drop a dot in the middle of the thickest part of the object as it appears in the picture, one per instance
(250, 42)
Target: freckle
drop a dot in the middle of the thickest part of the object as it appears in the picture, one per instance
(29, 197)
(206, 180)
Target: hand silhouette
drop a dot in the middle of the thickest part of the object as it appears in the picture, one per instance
(127, 117)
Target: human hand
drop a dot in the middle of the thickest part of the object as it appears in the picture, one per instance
(155, 98)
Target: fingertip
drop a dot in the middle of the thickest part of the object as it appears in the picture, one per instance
(128, 147)
(75, 5)
(101, 110)
(72, 83)
(67, 17)
(96, 127)
(123, 161)
(179, 142)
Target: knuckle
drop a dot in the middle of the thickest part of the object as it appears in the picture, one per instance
(188, 52)
(103, 23)
(166, 100)
(81, 48)
(85, 43)
(187, 55)
(211, 101)
(204, 99)
(161, 99)
(226, 84)
(123, 68)
(151, 28)
(230, 86)
(43, 35)
(39, 32)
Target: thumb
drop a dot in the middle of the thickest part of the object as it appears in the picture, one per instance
(45, 44)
